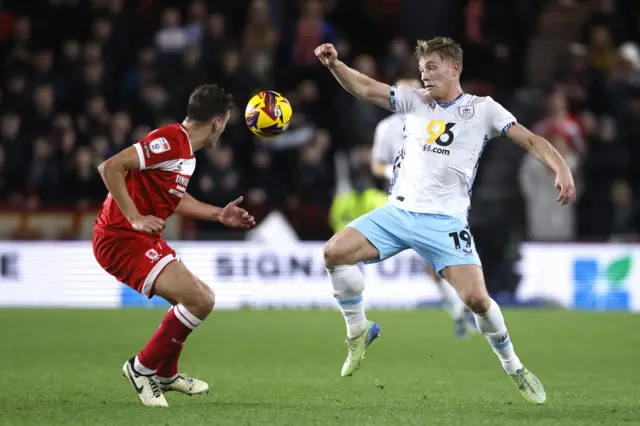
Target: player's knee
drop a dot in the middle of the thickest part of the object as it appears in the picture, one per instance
(208, 300)
(199, 300)
(476, 300)
(334, 255)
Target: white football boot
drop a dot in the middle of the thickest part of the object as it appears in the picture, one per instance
(186, 385)
(147, 387)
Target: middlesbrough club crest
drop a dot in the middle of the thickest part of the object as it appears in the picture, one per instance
(466, 111)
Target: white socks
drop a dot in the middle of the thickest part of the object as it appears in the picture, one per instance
(348, 285)
(492, 325)
(450, 299)
(141, 369)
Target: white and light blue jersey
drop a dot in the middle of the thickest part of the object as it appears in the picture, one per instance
(436, 167)
(388, 139)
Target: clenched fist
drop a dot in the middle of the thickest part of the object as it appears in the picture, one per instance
(148, 224)
(327, 54)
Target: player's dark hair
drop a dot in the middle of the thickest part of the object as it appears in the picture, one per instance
(444, 46)
(207, 102)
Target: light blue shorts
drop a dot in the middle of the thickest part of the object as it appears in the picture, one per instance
(440, 240)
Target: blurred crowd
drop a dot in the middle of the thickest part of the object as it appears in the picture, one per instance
(84, 79)
(592, 116)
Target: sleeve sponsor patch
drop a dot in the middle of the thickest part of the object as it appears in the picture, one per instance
(158, 146)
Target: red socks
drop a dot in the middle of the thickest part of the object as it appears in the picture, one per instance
(161, 353)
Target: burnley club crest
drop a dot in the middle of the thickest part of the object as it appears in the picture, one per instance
(466, 111)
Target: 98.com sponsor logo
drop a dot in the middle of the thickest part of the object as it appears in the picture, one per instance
(440, 137)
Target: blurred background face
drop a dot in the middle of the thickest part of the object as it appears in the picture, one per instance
(84, 158)
(366, 65)
(223, 157)
(558, 103)
(259, 12)
(10, 126)
(171, 18)
(215, 25)
(438, 75)
(44, 61)
(43, 98)
(41, 149)
(197, 11)
(600, 37)
(313, 9)
(409, 83)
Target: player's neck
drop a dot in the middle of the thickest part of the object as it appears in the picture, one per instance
(453, 95)
(197, 134)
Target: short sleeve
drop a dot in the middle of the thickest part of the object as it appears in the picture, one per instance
(153, 151)
(498, 119)
(403, 99)
(381, 140)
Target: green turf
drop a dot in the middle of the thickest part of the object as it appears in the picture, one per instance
(282, 368)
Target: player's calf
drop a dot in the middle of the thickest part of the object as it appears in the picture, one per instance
(193, 301)
(341, 254)
(469, 282)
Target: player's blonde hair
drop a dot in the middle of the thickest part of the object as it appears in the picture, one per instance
(446, 47)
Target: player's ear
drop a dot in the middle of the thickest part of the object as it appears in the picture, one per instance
(456, 68)
(216, 123)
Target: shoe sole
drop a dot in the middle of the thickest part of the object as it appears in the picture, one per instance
(172, 390)
(206, 392)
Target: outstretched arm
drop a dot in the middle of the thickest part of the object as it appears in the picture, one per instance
(354, 82)
(545, 153)
(190, 207)
(231, 215)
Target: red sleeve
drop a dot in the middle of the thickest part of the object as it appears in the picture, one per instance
(160, 147)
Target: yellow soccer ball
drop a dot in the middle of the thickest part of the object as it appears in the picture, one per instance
(268, 114)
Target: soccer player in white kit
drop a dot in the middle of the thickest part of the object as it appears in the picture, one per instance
(387, 142)
(445, 133)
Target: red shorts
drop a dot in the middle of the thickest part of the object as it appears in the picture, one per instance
(131, 258)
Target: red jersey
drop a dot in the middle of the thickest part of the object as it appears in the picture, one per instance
(166, 165)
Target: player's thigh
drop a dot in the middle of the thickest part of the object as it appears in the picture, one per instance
(178, 285)
(348, 247)
(447, 244)
(370, 238)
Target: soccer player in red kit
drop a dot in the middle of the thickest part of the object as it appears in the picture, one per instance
(147, 183)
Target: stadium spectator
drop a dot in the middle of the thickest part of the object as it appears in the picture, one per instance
(547, 220)
(601, 47)
(583, 84)
(560, 124)
(605, 16)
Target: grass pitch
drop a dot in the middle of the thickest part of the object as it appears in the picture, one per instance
(283, 368)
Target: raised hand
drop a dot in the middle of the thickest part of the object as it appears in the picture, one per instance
(236, 217)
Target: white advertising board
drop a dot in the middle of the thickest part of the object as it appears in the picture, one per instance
(65, 274)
